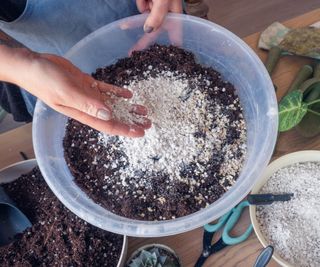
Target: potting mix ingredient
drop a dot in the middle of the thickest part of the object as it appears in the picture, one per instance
(293, 227)
(57, 237)
(191, 155)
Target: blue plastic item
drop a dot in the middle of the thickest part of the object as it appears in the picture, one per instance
(12, 220)
(264, 257)
(227, 223)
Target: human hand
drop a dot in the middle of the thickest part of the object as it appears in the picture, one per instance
(158, 10)
(68, 90)
(155, 22)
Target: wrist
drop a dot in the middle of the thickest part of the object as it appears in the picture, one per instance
(15, 64)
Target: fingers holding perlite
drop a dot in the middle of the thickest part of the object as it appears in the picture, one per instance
(113, 106)
(139, 110)
(91, 104)
(97, 109)
(96, 121)
(143, 122)
(118, 128)
(110, 89)
(107, 113)
(104, 114)
(111, 126)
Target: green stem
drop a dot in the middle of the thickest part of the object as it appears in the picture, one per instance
(273, 58)
(316, 72)
(304, 74)
(314, 112)
(313, 102)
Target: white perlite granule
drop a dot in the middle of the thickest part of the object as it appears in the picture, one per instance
(177, 113)
(293, 227)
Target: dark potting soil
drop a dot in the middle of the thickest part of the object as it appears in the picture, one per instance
(57, 237)
(102, 165)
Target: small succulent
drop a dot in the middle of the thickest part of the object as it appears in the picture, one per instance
(152, 258)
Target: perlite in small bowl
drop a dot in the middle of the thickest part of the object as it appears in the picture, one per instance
(292, 227)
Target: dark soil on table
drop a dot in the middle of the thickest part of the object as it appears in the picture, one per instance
(57, 237)
(82, 148)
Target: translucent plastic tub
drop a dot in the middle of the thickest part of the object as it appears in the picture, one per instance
(214, 46)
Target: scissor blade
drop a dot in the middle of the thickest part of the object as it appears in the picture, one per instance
(219, 245)
(206, 244)
(200, 261)
(207, 239)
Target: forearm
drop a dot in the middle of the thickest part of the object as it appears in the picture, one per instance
(6, 40)
(14, 57)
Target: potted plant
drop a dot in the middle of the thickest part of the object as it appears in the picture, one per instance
(154, 255)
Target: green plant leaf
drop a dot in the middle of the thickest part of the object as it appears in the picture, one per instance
(291, 110)
(154, 259)
(310, 124)
(137, 262)
(162, 259)
(144, 259)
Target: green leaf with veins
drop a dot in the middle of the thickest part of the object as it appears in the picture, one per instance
(291, 110)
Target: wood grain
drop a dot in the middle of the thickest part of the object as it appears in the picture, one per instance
(14, 141)
(188, 245)
(248, 16)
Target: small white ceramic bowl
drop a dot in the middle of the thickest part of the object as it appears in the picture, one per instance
(14, 171)
(284, 161)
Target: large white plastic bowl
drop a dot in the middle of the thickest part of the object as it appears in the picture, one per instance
(213, 46)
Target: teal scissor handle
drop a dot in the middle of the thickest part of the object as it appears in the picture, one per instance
(231, 222)
(214, 227)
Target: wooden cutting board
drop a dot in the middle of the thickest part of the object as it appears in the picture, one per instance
(188, 245)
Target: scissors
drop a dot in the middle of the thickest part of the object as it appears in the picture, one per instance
(228, 221)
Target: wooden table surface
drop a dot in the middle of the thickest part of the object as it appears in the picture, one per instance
(188, 245)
